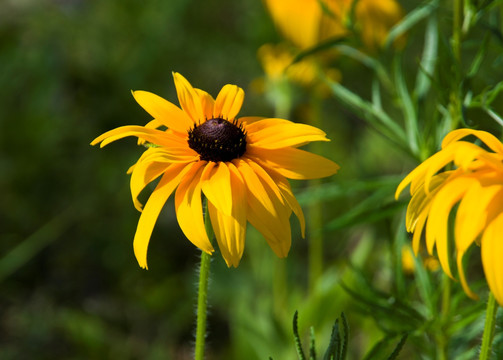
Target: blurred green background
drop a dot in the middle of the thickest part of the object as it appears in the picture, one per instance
(70, 285)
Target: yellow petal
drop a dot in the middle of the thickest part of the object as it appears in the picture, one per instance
(293, 163)
(189, 209)
(152, 124)
(163, 111)
(278, 133)
(266, 178)
(471, 216)
(230, 230)
(438, 220)
(491, 250)
(189, 99)
(228, 102)
(420, 199)
(153, 136)
(207, 103)
(155, 203)
(489, 139)
(142, 175)
(286, 192)
(265, 211)
(247, 120)
(216, 185)
(418, 230)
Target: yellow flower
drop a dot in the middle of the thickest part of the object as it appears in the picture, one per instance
(475, 185)
(277, 63)
(239, 164)
(308, 22)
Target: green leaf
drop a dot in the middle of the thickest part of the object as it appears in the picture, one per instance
(322, 46)
(298, 343)
(408, 109)
(332, 352)
(367, 111)
(398, 347)
(410, 21)
(429, 58)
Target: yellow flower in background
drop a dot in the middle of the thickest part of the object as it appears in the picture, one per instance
(240, 165)
(475, 186)
(306, 23)
(374, 19)
(277, 63)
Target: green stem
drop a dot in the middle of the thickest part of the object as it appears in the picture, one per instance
(455, 97)
(315, 219)
(442, 339)
(202, 297)
(202, 294)
(487, 339)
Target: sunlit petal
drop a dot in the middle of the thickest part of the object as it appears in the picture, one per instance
(216, 184)
(189, 209)
(294, 163)
(228, 102)
(155, 203)
(230, 230)
(163, 111)
(278, 133)
(491, 250)
(189, 99)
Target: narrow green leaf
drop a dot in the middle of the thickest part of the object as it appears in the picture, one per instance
(424, 286)
(334, 345)
(408, 109)
(398, 347)
(345, 340)
(429, 58)
(322, 46)
(479, 56)
(375, 117)
(298, 343)
(410, 21)
(312, 345)
(366, 60)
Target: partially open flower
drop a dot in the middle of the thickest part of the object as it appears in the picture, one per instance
(475, 186)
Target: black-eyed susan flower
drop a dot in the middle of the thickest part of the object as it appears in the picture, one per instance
(240, 165)
(474, 185)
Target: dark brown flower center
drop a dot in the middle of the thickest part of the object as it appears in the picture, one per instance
(218, 140)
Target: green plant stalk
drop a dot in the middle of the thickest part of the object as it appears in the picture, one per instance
(487, 339)
(202, 294)
(202, 297)
(315, 218)
(455, 96)
(442, 339)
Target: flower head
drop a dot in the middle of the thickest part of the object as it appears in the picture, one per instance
(308, 22)
(475, 185)
(240, 165)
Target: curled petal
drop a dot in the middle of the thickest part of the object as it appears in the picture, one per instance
(489, 139)
(153, 136)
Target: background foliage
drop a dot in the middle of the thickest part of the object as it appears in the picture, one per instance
(71, 288)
